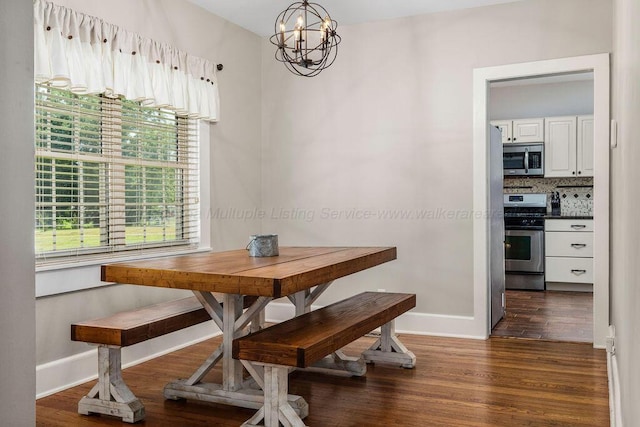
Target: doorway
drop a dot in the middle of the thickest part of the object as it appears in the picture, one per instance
(599, 65)
(534, 310)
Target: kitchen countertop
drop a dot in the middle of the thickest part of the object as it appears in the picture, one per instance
(568, 217)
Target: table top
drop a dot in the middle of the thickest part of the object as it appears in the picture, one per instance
(235, 272)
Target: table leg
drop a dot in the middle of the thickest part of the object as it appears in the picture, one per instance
(337, 362)
(302, 300)
(231, 368)
(299, 301)
(234, 390)
(258, 322)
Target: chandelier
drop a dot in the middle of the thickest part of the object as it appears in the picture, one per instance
(306, 38)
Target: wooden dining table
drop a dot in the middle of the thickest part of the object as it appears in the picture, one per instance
(223, 280)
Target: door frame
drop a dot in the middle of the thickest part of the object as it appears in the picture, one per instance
(482, 77)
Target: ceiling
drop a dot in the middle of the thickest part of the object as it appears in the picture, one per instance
(258, 16)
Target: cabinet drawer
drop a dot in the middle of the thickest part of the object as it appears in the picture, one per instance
(571, 270)
(568, 225)
(569, 244)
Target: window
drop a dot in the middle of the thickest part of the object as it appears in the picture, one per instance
(112, 175)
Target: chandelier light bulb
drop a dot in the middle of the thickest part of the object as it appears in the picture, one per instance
(282, 31)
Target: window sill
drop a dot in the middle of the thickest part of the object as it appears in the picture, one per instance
(66, 263)
(64, 277)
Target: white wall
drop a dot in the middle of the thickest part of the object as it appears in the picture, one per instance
(625, 280)
(17, 319)
(235, 151)
(541, 100)
(389, 127)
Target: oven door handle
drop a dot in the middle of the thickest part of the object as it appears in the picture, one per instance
(526, 160)
(524, 228)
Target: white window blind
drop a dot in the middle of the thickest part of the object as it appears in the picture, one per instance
(112, 176)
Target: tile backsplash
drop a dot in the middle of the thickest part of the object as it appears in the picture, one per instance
(576, 194)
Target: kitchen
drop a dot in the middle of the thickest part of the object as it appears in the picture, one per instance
(547, 135)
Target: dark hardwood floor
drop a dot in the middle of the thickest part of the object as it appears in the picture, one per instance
(457, 382)
(547, 315)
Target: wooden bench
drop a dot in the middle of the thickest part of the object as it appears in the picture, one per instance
(305, 340)
(110, 395)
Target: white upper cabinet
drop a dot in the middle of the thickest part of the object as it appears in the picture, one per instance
(528, 130)
(568, 146)
(505, 129)
(560, 146)
(584, 150)
(522, 130)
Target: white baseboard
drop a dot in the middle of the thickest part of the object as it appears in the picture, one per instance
(61, 374)
(569, 287)
(615, 414)
(409, 323)
(615, 404)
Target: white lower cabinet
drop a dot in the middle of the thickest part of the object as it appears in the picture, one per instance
(569, 270)
(569, 244)
(569, 254)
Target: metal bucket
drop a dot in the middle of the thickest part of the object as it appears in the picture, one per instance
(262, 245)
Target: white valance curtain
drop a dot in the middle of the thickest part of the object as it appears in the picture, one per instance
(87, 55)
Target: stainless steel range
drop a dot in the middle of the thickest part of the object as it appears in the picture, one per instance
(524, 240)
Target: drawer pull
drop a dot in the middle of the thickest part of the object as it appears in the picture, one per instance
(578, 245)
(578, 271)
(578, 226)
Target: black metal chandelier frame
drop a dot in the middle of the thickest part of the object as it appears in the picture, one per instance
(309, 45)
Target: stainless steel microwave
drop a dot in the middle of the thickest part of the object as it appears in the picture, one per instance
(519, 160)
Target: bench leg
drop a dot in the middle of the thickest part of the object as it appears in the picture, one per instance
(341, 364)
(276, 410)
(389, 349)
(111, 396)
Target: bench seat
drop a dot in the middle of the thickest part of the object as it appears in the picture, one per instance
(132, 327)
(304, 341)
